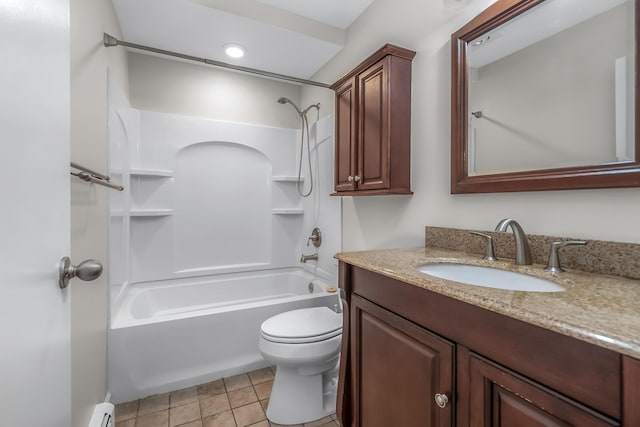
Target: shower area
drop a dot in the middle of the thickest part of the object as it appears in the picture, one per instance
(207, 237)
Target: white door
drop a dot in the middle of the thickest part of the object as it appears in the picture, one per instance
(34, 215)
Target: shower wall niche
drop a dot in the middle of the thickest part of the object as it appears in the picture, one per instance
(203, 197)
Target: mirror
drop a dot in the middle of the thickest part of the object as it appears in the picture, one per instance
(544, 97)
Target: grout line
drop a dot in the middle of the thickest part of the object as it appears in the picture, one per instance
(198, 399)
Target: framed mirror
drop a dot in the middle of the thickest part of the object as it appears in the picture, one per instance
(544, 97)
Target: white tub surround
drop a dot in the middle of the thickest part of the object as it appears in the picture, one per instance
(209, 197)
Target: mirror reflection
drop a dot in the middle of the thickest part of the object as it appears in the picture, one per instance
(552, 88)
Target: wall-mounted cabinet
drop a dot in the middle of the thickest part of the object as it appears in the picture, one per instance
(373, 125)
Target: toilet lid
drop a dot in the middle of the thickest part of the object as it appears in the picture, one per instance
(303, 325)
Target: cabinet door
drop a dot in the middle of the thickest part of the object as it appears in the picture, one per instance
(345, 154)
(499, 397)
(398, 369)
(373, 127)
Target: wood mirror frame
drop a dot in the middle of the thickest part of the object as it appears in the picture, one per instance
(617, 175)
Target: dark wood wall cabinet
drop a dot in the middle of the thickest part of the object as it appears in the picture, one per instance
(373, 125)
(418, 358)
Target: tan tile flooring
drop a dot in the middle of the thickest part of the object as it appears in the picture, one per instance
(236, 401)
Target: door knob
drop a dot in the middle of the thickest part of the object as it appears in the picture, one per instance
(87, 270)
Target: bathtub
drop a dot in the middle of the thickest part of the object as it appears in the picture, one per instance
(172, 334)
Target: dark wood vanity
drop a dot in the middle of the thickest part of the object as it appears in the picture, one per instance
(413, 357)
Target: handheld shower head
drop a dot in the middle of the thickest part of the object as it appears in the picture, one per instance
(283, 100)
(304, 131)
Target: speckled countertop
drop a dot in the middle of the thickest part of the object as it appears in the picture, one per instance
(599, 309)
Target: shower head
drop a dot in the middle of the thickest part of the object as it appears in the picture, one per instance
(283, 100)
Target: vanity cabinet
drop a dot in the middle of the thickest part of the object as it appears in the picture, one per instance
(406, 345)
(398, 361)
(499, 397)
(373, 125)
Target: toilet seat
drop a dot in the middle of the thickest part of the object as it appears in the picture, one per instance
(305, 325)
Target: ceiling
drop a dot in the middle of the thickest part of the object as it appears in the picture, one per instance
(289, 37)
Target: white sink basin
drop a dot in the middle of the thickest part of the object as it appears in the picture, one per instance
(489, 277)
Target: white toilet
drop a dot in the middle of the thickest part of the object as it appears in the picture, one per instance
(305, 347)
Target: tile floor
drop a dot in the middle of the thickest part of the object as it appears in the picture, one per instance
(236, 401)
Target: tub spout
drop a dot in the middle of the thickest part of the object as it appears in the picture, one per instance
(312, 257)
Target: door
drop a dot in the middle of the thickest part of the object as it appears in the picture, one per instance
(400, 371)
(34, 148)
(373, 127)
(501, 398)
(345, 155)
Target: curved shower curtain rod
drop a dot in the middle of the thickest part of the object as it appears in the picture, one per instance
(110, 41)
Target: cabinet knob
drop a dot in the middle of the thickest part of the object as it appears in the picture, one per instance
(441, 400)
(350, 178)
(356, 178)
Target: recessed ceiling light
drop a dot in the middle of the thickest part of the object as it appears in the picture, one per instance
(234, 50)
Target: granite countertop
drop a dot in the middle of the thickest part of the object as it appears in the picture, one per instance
(599, 309)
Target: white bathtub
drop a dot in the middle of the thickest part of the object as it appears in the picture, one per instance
(177, 333)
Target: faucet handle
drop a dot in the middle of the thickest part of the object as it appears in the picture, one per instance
(553, 265)
(315, 237)
(490, 254)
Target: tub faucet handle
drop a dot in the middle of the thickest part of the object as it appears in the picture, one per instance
(553, 265)
(490, 254)
(315, 237)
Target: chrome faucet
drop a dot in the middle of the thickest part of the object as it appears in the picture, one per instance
(523, 253)
(312, 257)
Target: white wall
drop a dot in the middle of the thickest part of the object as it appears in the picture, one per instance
(168, 86)
(89, 307)
(394, 221)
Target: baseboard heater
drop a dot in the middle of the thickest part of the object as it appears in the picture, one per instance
(103, 415)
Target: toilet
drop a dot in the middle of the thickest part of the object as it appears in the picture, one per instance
(304, 345)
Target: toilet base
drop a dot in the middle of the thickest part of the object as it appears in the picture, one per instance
(298, 399)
